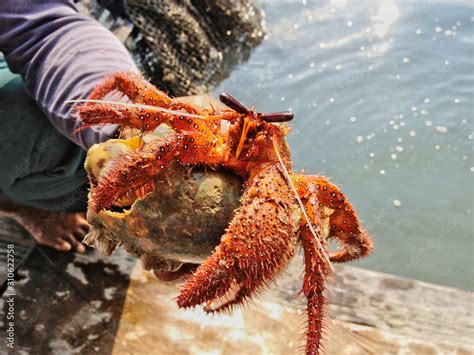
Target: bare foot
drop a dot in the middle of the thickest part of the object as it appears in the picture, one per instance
(59, 230)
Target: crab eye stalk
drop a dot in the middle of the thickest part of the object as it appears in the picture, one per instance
(239, 107)
(233, 103)
(278, 116)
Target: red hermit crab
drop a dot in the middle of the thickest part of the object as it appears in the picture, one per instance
(262, 236)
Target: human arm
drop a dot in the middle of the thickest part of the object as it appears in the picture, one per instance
(61, 55)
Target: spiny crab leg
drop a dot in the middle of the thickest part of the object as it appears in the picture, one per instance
(147, 108)
(344, 225)
(257, 245)
(238, 106)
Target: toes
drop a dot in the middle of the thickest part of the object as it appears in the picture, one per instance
(74, 240)
(82, 222)
(79, 235)
(84, 229)
(80, 248)
(60, 245)
(55, 243)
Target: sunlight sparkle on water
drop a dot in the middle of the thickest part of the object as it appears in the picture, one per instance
(389, 68)
(387, 14)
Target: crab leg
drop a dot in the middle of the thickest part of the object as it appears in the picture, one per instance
(139, 92)
(134, 86)
(256, 247)
(344, 225)
(316, 272)
(132, 171)
(316, 267)
(137, 169)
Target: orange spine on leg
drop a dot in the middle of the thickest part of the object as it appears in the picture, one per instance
(316, 272)
(94, 113)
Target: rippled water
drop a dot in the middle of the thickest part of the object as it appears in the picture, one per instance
(383, 97)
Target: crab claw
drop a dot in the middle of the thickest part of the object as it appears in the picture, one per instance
(257, 245)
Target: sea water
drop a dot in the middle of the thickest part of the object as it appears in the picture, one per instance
(382, 93)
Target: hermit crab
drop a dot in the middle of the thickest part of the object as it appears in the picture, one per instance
(278, 208)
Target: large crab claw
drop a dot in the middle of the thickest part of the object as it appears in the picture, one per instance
(257, 245)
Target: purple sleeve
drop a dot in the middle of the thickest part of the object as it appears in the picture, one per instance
(61, 55)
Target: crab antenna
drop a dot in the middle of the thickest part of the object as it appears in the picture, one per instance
(238, 106)
(233, 103)
(148, 107)
(278, 116)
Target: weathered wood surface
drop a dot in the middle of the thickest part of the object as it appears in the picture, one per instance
(88, 304)
(372, 313)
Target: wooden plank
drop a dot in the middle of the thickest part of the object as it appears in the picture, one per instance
(372, 313)
(91, 304)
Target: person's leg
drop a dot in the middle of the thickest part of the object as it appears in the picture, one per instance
(43, 185)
